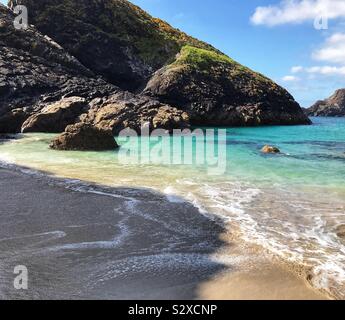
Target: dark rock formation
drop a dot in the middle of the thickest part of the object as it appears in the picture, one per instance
(35, 71)
(113, 38)
(11, 121)
(83, 137)
(331, 107)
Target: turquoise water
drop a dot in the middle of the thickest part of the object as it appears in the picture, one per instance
(312, 155)
(292, 204)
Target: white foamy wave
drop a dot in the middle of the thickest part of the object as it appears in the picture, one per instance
(114, 243)
(171, 195)
(285, 224)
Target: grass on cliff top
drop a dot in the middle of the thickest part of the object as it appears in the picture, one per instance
(204, 60)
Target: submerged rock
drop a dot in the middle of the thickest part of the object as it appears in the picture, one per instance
(334, 106)
(270, 149)
(341, 231)
(83, 136)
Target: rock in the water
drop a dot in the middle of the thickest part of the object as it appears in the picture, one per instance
(331, 107)
(83, 137)
(341, 231)
(270, 149)
(56, 117)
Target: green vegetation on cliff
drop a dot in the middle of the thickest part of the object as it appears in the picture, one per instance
(208, 61)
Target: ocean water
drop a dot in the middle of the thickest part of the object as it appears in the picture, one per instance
(291, 204)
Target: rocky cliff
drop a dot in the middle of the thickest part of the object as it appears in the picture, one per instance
(109, 63)
(113, 38)
(43, 88)
(334, 106)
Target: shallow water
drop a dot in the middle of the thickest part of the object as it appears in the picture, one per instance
(291, 204)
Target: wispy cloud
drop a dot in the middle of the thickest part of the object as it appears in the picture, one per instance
(290, 78)
(326, 70)
(333, 51)
(321, 70)
(296, 69)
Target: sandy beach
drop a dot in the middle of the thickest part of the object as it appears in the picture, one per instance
(102, 243)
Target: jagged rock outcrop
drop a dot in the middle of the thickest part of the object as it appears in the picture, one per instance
(56, 117)
(126, 110)
(128, 47)
(82, 136)
(331, 107)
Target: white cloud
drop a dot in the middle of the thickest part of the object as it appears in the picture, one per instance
(327, 70)
(297, 11)
(333, 50)
(290, 78)
(296, 69)
(314, 72)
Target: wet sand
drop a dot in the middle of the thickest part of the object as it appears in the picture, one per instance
(118, 243)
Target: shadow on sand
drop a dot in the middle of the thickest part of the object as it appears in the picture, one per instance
(85, 241)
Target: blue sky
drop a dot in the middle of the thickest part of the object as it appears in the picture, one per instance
(275, 37)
